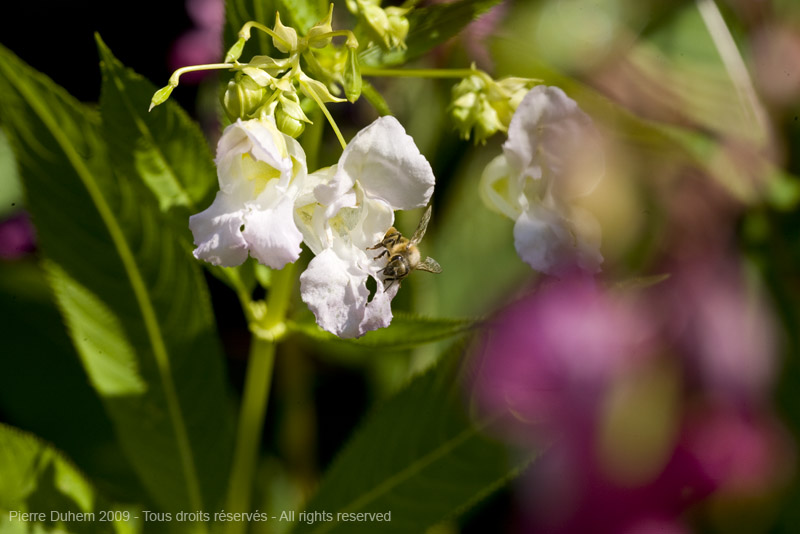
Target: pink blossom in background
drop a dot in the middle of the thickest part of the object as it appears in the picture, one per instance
(723, 329)
(202, 44)
(552, 356)
(554, 361)
(17, 236)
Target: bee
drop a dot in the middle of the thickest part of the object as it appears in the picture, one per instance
(403, 253)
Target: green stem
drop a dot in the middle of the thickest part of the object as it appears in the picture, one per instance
(173, 80)
(424, 73)
(258, 380)
(310, 92)
(245, 32)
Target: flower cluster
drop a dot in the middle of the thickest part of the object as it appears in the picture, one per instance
(483, 106)
(268, 204)
(552, 156)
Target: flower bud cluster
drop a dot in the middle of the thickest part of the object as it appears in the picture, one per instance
(386, 26)
(279, 87)
(485, 106)
(266, 86)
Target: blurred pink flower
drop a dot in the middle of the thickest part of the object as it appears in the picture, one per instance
(724, 330)
(551, 357)
(202, 44)
(554, 361)
(17, 236)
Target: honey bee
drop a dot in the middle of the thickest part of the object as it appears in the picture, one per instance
(403, 253)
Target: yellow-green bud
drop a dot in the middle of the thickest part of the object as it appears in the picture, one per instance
(288, 36)
(398, 26)
(235, 51)
(288, 124)
(161, 96)
(321, 28)
(243, 97)
(351, 80)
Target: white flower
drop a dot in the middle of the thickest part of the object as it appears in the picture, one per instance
(346, 209)
(261, 172)
(552, 156)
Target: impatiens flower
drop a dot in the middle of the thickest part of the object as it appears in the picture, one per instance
(551, 157)
(261, 172)
(344, 211)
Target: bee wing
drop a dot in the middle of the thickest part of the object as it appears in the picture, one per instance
(422, 226)
(430, 265)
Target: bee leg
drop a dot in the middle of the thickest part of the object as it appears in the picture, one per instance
(391, 281)
(382, 254)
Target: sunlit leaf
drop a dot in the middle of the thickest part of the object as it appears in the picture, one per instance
(37, 478)
(135, 305)
(417, 457)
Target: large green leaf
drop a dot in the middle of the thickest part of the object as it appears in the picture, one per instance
(40, 364)
(428, 28)
(406, 331)
(164, 147)
(136, 307)
(38, 479)
(417, 457)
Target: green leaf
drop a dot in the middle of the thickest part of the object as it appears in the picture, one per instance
(37, 478)
(417, 457)
(136, 307)
(406, 331)
(39, 365)
(164, 147)
(428, 28)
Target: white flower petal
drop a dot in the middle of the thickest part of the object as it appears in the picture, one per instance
(270, 230)
(268, 153)
(217, 232)
(379, 310)
(374, 220)
(550, 137)
(336, 293)
(555, 245)
(388, 165)
(496, 189)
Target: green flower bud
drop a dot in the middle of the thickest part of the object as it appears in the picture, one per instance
(243, 97)
(235, 52)
(351, 80)
(377, 22)
(288, 36)
(161, 96)
(288, 124)
(398, 26)
(483, 106)
(321, 28)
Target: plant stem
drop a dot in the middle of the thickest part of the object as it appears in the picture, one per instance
(310, 92)
(258, 380)
(173, 80)
(423, 73)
